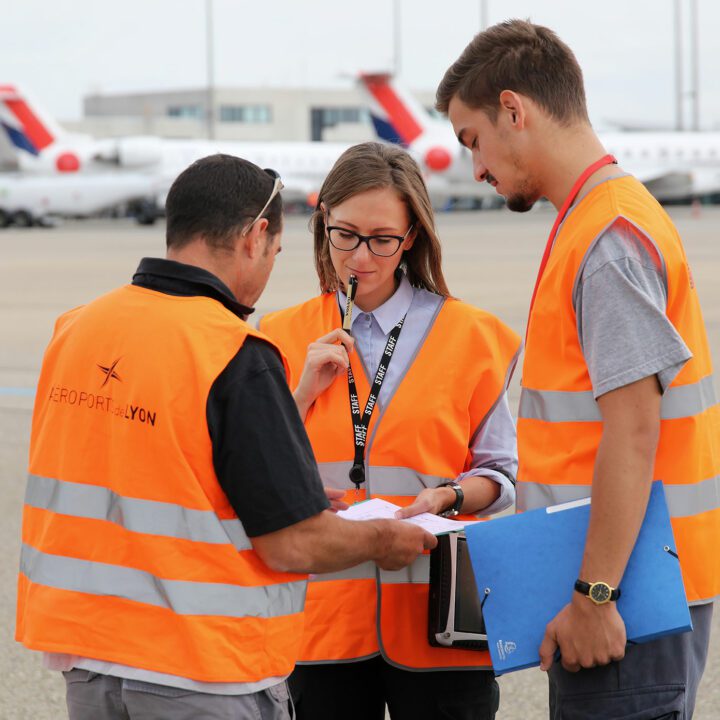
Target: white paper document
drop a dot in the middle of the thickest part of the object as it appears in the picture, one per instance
(378, 509)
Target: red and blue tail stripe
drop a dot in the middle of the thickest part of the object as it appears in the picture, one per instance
(23, 127)
(391, 118)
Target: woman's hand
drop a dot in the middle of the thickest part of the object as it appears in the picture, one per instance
(432, 500)
(326, 358)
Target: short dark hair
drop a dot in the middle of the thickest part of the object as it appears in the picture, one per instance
(519, 56)
(215, 198)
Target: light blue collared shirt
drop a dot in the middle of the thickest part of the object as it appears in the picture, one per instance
(494, 444)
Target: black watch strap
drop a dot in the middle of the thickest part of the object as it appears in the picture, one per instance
(585, 588)
(454, 509)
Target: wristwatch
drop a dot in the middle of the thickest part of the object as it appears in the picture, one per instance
(454, 509)
(599, 592)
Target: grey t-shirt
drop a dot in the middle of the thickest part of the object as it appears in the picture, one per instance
(620, 300)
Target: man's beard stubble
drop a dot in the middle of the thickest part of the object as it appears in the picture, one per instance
(526, 196)
(519, 202)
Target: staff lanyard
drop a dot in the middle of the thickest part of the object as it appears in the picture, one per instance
(569, 200)
(362, 422)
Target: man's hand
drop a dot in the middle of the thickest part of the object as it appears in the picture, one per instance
(326, 358)
(586, 634)
(402, 543)
(335, 496)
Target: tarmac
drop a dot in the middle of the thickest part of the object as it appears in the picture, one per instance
(490, 259)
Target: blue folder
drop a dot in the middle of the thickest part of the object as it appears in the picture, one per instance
(525, 567)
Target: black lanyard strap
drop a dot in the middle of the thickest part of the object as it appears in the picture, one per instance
(362, 422)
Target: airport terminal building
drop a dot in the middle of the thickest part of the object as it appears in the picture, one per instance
(241, 114)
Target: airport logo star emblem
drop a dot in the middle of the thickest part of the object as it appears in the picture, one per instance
(109, 372)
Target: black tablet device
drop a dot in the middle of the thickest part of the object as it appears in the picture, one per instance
(455, 612)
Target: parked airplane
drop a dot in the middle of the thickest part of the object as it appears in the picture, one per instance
(42, 146)
(398, 117)
(673, 165)
(31, 199)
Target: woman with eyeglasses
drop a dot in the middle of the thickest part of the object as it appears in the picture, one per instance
(411, 407)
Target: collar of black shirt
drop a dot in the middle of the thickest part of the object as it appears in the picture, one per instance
(176, 278)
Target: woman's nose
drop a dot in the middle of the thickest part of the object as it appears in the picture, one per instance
(362, 252)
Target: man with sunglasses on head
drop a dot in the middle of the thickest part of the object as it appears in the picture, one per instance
(174, 506)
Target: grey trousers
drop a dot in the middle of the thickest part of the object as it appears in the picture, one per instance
(91, 696)
(657, 680)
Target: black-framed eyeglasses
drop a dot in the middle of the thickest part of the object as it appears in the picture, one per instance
(382, 245)
(277, 187)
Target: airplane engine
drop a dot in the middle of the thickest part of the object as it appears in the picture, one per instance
(438, 159)
(132, 152)
(67, 162)
(139, 152)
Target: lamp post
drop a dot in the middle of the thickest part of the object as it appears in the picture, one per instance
(679, 125)
(483, 15)
(694, 68)
(210, 67)
(397, 49)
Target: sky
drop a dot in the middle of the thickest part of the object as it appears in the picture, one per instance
(62, 51)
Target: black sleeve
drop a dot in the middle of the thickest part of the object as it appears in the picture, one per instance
(262, 455)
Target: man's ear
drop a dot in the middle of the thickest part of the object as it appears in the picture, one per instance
(514, 108)
(254, 241)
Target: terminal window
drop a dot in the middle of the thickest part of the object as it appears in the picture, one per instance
(246, 113)
(326, 117)
(193, 112)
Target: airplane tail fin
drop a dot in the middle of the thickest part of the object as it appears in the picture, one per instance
(27, 128)
(396, 116)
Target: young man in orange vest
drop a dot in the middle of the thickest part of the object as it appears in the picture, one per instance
(174, 506)
(617, 378)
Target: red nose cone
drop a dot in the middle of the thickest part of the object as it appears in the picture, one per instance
(312, 199)
(438, 159)
(67, 162)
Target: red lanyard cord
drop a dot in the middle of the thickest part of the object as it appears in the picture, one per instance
(569, 200)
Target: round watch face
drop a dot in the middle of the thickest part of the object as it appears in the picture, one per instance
(600, 592)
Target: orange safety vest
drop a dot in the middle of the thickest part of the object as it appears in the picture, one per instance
(131, 552)
(559, 423)
(420, 439)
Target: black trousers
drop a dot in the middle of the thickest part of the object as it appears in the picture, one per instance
(360, 690)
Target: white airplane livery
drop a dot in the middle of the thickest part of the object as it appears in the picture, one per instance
(31, 198)
(42, 146)
(673, 165)
(398, 117)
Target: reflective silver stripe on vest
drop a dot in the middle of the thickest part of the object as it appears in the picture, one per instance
(559, 406)
(142, 516)
(683, 500)
(364, 571)
(417, 572)
(381, 480)
(180, 596)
